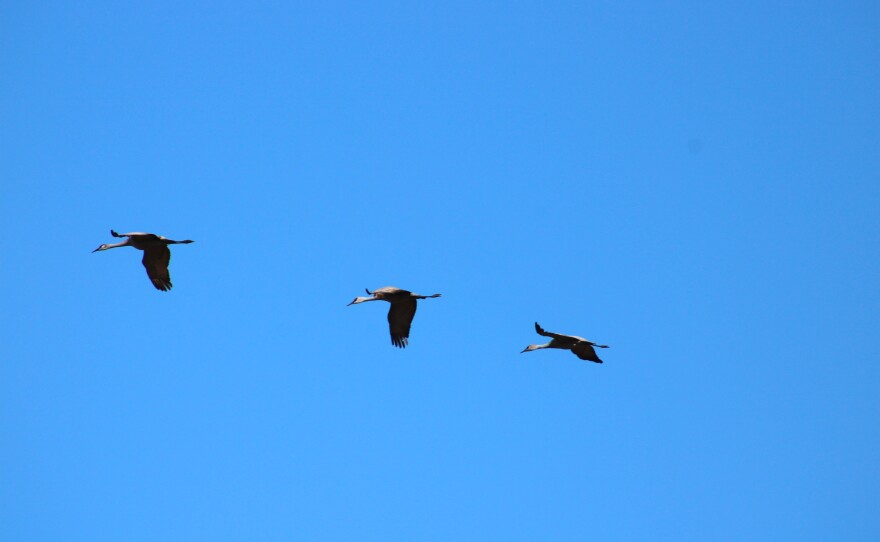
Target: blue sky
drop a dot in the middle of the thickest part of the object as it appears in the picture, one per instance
(695, 185)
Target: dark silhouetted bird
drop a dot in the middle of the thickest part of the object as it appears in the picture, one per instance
(581, 347)
(401, 313)
(156, 254)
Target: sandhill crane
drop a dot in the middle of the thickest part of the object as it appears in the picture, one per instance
(156, 254)
(581, 347)
(401, 313)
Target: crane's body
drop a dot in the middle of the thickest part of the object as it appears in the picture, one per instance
(401, 313)
(156, 258)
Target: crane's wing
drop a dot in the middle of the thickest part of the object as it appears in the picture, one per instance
(541, 331)
(400, 316)
(585, 351)
(156, 261)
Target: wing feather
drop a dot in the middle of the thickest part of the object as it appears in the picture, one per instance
(541, 331)
(585, 351)
(156, 260)
(400, 316)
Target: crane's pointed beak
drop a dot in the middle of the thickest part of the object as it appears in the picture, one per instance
(96, 250)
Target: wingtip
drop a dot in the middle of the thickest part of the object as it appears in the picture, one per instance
(161, 285)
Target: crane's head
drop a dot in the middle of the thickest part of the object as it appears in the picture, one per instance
(362, 299)
(531, 347)
(102, 247)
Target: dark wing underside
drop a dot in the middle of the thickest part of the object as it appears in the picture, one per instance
(156, 261)
(400, 316)
(585, 351)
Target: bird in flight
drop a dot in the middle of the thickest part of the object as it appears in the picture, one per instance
(581, 347)
(156, 254)
(401, 313)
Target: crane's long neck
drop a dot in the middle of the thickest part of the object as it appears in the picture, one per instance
(117, 245)
(531, 347)
(363, 300)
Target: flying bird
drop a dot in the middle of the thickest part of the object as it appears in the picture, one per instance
(581, 347)
(156, 254)
(401, 313)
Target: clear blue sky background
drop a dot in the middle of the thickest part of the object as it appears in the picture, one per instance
(695, 185)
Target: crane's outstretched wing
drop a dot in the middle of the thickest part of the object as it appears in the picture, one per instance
(541, 331)
(156, 261)
(131, 234)
(400, 316)
(584, 350)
